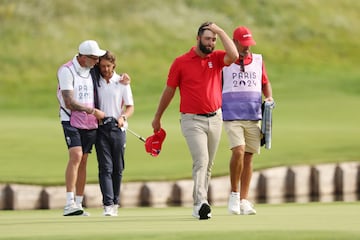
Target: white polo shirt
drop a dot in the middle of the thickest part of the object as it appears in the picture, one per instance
(113, 96)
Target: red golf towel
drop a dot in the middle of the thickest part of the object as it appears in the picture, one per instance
(154, 142)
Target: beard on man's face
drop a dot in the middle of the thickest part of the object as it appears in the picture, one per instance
(205, 49)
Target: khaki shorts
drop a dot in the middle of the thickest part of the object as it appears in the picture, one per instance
(246, 133)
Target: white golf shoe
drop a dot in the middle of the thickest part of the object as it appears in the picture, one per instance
(115, 209)
(72, 210)
(234, 203)
(246, 208)
(109, 210)
(84, 214)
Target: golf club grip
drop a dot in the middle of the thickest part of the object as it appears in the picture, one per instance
(142, 139)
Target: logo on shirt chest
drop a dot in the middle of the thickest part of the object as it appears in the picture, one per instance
(84, 93)
(244, 75)
(246, 80)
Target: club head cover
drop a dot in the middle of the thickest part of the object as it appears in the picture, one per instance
(154, 142)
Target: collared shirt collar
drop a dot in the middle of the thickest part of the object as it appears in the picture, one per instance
(114, 78)
(247, 59)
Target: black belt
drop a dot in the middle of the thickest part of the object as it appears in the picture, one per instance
(207, 114)
(108, 121)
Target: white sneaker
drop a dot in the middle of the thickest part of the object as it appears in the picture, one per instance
(115, 210)
(202, 211)
(72, 210)
(108, 210)
(84, 214)
(234, 203)
(246, 208)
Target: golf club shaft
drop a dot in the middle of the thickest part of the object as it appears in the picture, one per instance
(137, 135)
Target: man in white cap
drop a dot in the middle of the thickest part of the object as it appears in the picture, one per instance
(244, 83)
(79, 119)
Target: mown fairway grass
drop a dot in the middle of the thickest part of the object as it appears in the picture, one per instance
(33, 150)
(325, 221)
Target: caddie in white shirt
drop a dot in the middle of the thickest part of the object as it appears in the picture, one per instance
(79, 119)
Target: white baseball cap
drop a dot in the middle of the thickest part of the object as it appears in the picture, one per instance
(91, 47)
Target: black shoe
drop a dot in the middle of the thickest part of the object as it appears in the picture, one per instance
(205, 211)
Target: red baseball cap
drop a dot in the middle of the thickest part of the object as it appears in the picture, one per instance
(244, 36)
(154, 143)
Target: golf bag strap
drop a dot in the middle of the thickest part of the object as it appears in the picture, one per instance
(95, 75)
(65, 111)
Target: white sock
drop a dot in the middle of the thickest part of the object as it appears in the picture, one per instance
(69, 198)
(78, 200)
(235, 194)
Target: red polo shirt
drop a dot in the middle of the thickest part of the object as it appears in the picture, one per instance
(199, 81)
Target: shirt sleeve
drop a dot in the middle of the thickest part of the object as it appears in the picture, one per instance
(174, 75)
(128, 97)
(66, 79)
(221, 55)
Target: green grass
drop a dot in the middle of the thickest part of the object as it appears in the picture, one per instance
(285, 221)
(310, 128)
(309, 46)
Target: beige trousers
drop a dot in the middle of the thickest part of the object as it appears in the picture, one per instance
(202, 136)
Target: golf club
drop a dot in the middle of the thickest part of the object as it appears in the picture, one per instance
(137, 135)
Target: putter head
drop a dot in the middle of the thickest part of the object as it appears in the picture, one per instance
(154, 143)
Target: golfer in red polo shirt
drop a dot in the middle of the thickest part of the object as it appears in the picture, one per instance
(197, 74)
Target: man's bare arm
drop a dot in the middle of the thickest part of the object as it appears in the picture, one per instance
(229, 46)
(165, 100)
(72, 104)
(267, 91)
